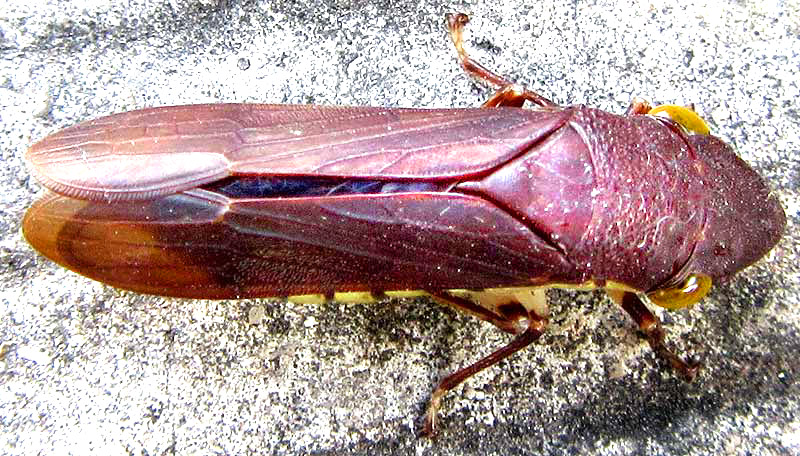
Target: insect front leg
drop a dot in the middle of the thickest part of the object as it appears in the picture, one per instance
(523, 313)
(651, 327)
(509, 93)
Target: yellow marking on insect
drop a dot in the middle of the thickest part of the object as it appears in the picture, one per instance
(534, 301)
(488, 298)
(406, 294)
(307, 299)
(692, 290)
(611, 285)
(684, 116)
(354, 297)
(532, 298)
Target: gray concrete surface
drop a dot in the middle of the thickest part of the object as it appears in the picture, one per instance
(87, 369)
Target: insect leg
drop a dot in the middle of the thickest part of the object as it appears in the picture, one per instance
(527, 333)
(509, 94)
(651, 327)
(638, 106)
(483, 312)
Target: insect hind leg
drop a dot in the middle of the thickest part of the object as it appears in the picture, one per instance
(520, 312)
(509, 93)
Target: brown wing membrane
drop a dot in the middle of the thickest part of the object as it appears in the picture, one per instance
(154, 152)
(200, 245)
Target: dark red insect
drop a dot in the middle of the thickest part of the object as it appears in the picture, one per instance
(482, 209)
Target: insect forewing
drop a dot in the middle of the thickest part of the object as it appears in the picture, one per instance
(200, 245)
(154, 152)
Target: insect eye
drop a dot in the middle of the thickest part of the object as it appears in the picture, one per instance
(693, 289)
(683, 116)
